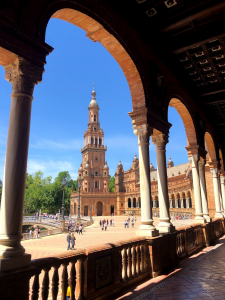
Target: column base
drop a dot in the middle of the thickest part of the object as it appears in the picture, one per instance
(15, 262)
(218, 215)
(147, 232)
(166, 227)
(199, 219)
(207, 219)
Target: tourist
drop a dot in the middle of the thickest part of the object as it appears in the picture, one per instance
(100, 223)
(105, 225)
(30, 233)
(77, 228)
(36, 233)
(107, 222)
(39, 231)
(125, 224)
(102, 226)
(132, 223)
(68, 240)
(128, 222)
(73, 241)
(80, 229)
(112, 222)
(135, 219)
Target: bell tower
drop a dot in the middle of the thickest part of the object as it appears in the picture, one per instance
(93, 173)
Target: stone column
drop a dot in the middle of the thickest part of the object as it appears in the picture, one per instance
(176, 203)
(131, 204)
(182, 202)
(222, 182)
(220, 194)
(197, 192)
(160, 142)
(23, 77)
(147, 228)
(171, 202)
(187, 202)
(214, 172)
(201, 169)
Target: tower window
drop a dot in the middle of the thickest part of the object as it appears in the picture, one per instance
(94, 129)
(96, 159)
(96, 173)
(94, 118)
(96, 184)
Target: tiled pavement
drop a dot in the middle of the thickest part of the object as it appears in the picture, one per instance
(201, 276)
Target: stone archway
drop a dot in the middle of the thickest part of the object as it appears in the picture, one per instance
(99, 207)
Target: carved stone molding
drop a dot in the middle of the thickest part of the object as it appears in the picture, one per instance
(193, 160)
(222, 179)
(201, 163)
(214, 172)
(160, 141)
(143, 133)
(23, 76)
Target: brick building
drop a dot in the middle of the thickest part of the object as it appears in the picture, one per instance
(93, 173)
(180, 188)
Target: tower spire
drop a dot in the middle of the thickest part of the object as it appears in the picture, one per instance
(93, 86)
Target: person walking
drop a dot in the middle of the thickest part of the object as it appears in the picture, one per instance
(39, 231)
(135, 219)
(80, 229)
(68, 240)
(30, 234)
(73, 241)
(105, 225)
(100, 223)
(128, 223)
(107, 222)
(112, 222)
(132, 223)
(125, 224)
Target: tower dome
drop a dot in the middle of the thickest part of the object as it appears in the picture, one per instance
(170, 163)
(93, 102)
(152, 168)
(135, 157)
(119, 164)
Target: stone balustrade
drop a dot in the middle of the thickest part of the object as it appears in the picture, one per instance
(104, 271)
(26, 236)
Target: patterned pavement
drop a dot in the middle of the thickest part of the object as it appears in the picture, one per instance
(200, 276)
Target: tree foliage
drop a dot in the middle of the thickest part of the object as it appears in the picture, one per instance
(45, 194)
(111, 184)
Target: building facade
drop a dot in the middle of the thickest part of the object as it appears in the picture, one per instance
(93, 173)
(180, 187)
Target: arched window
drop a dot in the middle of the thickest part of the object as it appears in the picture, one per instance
(94, 118)
(129, 203)
(96, 173)
(134, 202)
(96, 184)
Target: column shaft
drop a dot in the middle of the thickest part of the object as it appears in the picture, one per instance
(201, 168)
(218, 213)
(23, 77)
(147, 228)
(223, 190)
(197, 192)
(160, 142)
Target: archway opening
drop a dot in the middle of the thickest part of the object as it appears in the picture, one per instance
(99, 208)
(129, 203)
(134, 202)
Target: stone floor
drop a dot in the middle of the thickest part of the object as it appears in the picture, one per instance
(200, 276)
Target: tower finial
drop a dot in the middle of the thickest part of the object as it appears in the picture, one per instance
(93, 86)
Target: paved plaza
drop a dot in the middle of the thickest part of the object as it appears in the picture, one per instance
(92, 235)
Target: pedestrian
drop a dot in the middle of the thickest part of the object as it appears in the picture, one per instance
(105, 225)
(68, 240)
(125, 224)
(102, 226)
(73, 241)
(39, 231)
(107, 222)
(30, 234)
(112, 222)
(100, 223)
(77, 229)
(80, 229)
(132, 223)
(135, 219)
(36, 233)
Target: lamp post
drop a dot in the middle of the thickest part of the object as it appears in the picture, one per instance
(78, 215)
(63, 202)
(90, 212)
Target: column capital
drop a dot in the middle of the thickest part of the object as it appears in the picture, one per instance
(23, 76)
(160, 141)
(201, 163)
(193, 160)
(143, 133)
(222, 179)
(214, 172)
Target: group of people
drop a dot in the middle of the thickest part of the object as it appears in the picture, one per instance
(75, 228)
(127, 222)
(104, 224)
(34, 233)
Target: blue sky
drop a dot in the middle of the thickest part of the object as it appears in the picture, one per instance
(60, 114)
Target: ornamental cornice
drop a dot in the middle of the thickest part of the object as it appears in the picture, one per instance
(214, 172)
(201, 163)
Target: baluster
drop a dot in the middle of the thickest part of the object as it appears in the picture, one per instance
(138, 260)
(147, 258)
(72, 280)
(55, 283)
(45, 284)
(64, 281)
(124, 264)
(35, 287)
(142, 258)
(129, 262)
(80, 280)
(134, 260)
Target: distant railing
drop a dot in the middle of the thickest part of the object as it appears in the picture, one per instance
(27, 236)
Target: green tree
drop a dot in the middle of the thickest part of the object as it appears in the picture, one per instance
(111, 184)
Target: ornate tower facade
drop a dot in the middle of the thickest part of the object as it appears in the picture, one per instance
(93, 173)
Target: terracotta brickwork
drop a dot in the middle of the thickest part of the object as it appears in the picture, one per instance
(210, 191)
